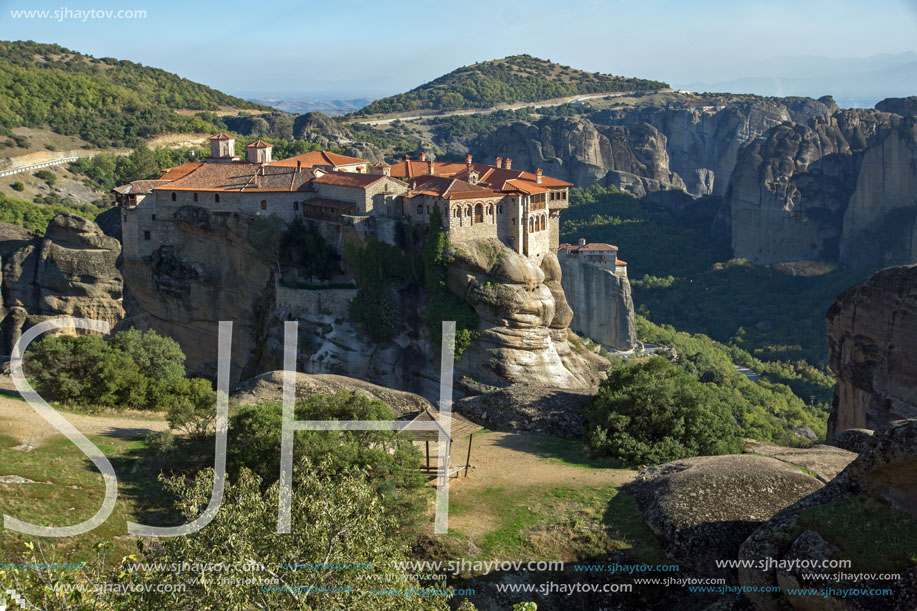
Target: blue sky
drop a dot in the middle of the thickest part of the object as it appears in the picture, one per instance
(318, 49)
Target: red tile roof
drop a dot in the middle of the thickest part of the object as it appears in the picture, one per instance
(181, 170)
(447, 188)
(259, 144)
(237, 176)
(347, 179)
(489, 176)
(596, 246)
(222, 136)
(319, 158)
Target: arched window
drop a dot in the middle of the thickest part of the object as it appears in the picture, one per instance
(216, 197)
(531, 224)
(478, 213)
(500, 209)
(544, 222)
(458, 212)
(419, 209)
(173, 196)
(195, 197)
(490, 209)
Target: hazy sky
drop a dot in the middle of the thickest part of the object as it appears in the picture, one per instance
(322, 49)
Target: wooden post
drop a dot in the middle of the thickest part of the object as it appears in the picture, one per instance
(468, 458)
(428, 454)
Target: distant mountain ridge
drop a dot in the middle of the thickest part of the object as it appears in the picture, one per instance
(518, 78)
(106, 101)
(332, 108)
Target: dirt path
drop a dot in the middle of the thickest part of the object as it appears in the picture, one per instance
(19, 421)
(513, 459)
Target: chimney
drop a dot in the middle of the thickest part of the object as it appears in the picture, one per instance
(430, 169)
(467, 159)
(423, 156)
(498, 162)
(509, 163)
(298, 166)
(406, 158)
(538, 174)
(582, 241)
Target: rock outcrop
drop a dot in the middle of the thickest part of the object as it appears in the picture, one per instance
(603, 300)
(871, 331)
(70, 271)
(269, 387)
(874, 494)
(524, 320)
(658, 148)
(837, 188)
(703, 508)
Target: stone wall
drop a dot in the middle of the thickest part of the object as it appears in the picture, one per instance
(601, 300)
(315, 302)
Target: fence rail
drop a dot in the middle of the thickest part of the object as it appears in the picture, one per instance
(37, 166)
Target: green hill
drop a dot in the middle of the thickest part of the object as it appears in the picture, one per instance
(105, 101)
(519, 78)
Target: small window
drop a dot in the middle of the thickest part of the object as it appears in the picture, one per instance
(419, 209)
(216, 197)
(295, 205)
(195, 197)
(264, 204)
(173, 196)
(146, 235)
(152, 217)
(500, 209)
(125, 218)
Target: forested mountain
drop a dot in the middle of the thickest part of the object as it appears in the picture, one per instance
(105, 101)
(519, 78)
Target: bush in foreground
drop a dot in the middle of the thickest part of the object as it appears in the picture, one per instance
(651, 412)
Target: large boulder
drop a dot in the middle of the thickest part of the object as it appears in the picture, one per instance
(703, 508)
(822, 461)
(269, 387)
(866, 515)
(524, 316)
(872, 328)
(70, 271)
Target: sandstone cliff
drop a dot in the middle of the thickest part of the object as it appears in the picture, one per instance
(70, 271)
(603, 309)
(524, 320)
(665, 151)
(871, 334)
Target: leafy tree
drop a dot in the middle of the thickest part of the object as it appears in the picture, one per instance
(17, 186)
(86, 370)
(191, 407)
(651, 412)
(377, 266)
(305, 247)
(390, 460)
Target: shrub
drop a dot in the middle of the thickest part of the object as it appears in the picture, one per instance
(131, 369)
(191, 407)
(390, 460)
(17, 186)
(160, 443)
(46, 175)
(651, 412)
